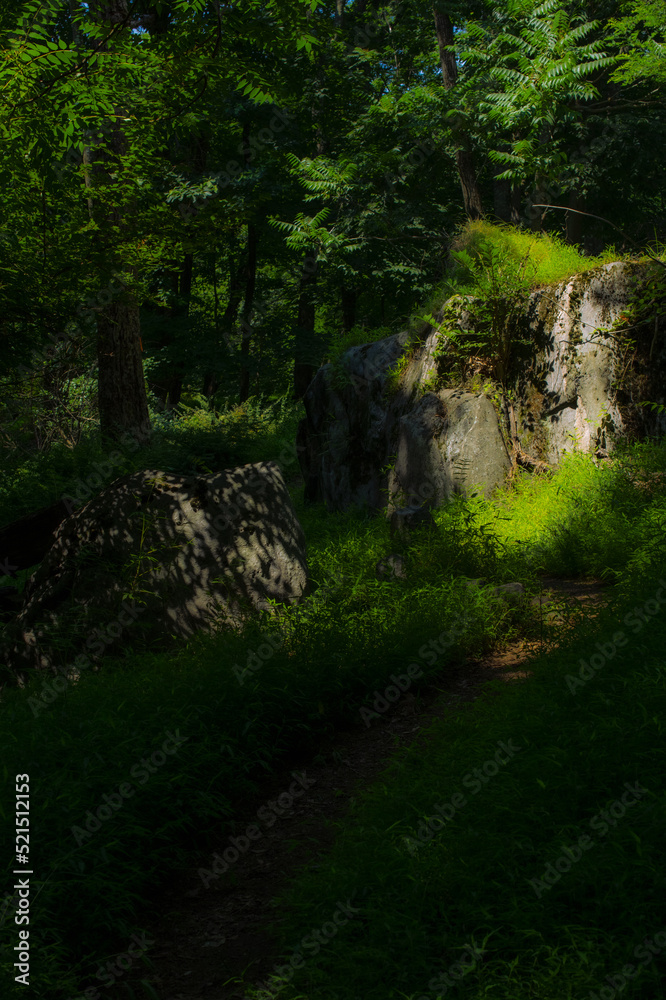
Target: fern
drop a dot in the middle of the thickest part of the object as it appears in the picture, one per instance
(534, 68)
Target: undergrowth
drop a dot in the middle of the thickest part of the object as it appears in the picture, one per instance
(241, 714)
(520, 856)
(190, 440)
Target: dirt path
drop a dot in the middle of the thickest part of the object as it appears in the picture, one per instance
(213, 932)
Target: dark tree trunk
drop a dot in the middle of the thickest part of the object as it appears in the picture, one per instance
(464, 157)
(180, 313)
(121, 391)
(304, 369)
(237, 282)
(508, 201)
(502, 198)
(349, 296)
(123, 405)
(160, 380)
(516, 205)
(209, 379)
(575, 221)
(246, 337)
(536, 215)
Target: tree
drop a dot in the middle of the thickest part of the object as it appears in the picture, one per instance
(531, 67)
(109, 79)
(641, 34)
(459, 123)
(123, 405)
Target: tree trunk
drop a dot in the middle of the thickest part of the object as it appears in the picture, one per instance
(304, 369)
(516, 205)
(575, 221)
(502, 198)
(461, 139)
(246, 336)
(348, 296)
(536, 215)
(123, 405)
(121, 391)
(180, 313)
(237, 281)
(209, 380)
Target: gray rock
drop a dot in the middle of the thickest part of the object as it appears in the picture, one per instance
(189, 553)
(448, 443)
(574, 397)
(372, 439)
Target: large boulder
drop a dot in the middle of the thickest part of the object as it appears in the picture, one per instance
(165, 555)
(449, 442)
(343, 443)
(383, 430)
(588, 372)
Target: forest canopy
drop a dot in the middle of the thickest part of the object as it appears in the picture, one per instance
(201, 198)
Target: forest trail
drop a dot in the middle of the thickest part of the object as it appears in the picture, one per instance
(209, 939)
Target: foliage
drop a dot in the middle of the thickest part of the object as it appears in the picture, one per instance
(537, 68)
(191, 440)
(451, 851)
(641, 33)
(335, 652)
(494, 268)
(538, 258)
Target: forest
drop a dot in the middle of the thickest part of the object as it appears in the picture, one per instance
(297, 241)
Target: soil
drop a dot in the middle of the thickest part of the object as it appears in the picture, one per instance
(211, 943)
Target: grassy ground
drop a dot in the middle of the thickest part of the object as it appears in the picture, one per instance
(96, 851)
(526, 844)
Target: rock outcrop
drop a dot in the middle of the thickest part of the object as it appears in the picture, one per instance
(182, 554)
(384, 429)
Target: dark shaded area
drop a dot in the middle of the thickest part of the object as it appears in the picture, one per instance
(25, 542)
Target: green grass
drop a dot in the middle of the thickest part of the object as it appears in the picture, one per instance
(334, 654)
(478, 879)
(550, 259)
(193, 440)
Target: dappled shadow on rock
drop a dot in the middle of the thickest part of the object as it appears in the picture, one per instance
(163, 556)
